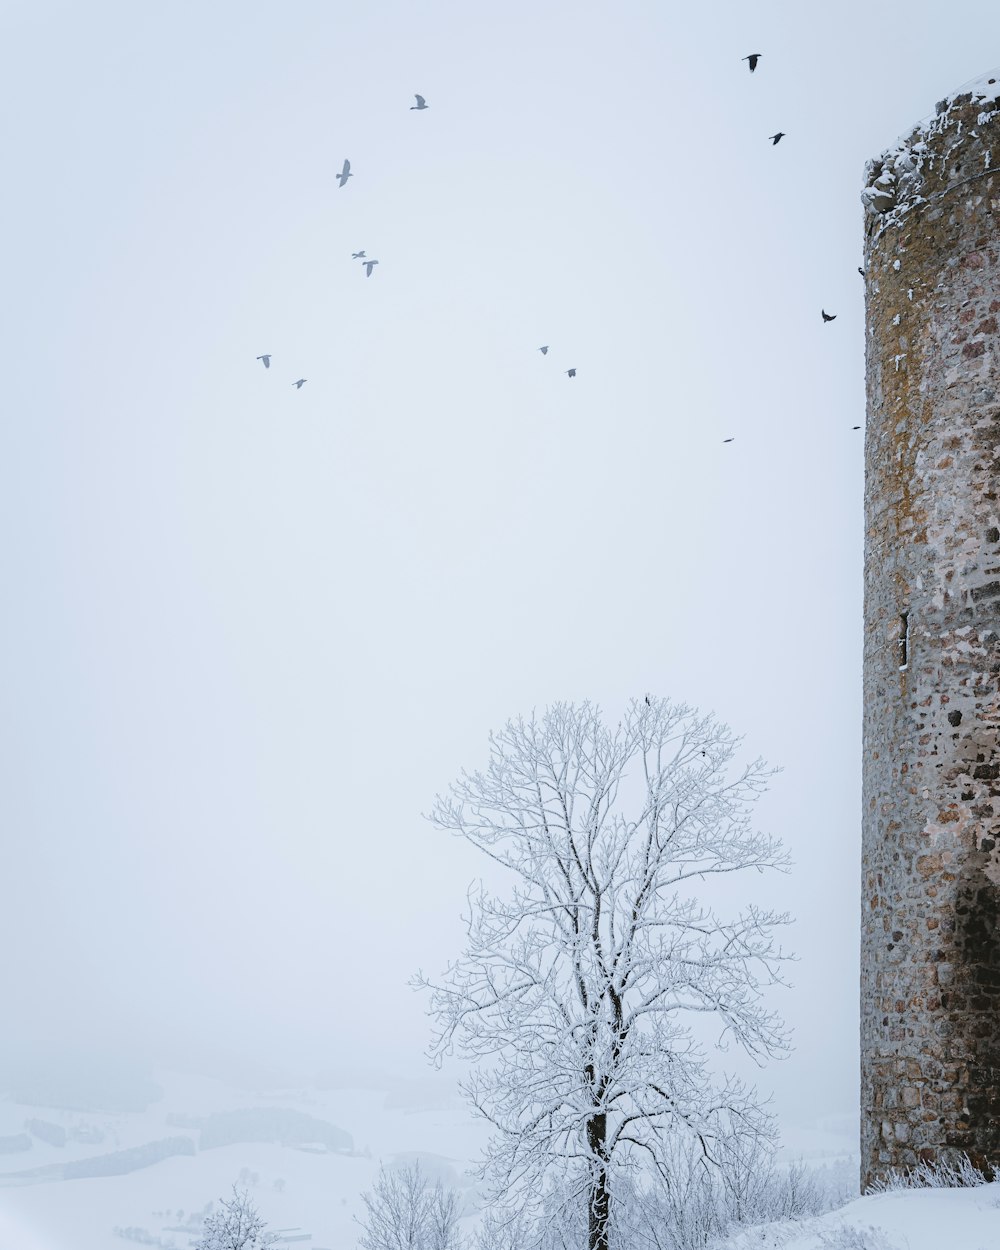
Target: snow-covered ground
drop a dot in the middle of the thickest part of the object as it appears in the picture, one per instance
(310, 1194)
(912, 1219)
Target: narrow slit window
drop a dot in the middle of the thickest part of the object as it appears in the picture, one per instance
(904, 639)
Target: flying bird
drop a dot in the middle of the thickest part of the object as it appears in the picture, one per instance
(344, 174)
(828, 316)
(421, 103)
(369, 266)
(300, 383)
(861, 271)
(729, 440)
(649, 701)
(855, 427)
(776, 139)
(266, 360)
(753, 58)
(571, 373)
(544, 350)
(357, 256)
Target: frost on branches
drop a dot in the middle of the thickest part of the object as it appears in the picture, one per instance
(576, 990)
(405, 1212)
(238, 1226)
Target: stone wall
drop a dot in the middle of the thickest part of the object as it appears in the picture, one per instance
(930, 941)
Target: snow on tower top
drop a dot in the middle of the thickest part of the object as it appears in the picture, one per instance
(930, 161)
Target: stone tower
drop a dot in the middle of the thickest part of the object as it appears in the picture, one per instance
(930, 929)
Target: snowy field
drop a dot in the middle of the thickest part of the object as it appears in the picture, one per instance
(308, 1192)
(916, 1219)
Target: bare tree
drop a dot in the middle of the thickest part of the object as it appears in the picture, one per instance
(405, 1212)
(575, 994)
(238, 1226)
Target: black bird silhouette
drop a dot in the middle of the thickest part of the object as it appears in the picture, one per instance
(649, 701)
(828, 316)
(357, 256)
(300, 383)
(369, 266)
(266, 359)
(753, 58)
(776, 139)
(344, 174)
(861, 271)
(544, 350)
(421, 103)
(571, 373)
(855, 427)
(729, 440)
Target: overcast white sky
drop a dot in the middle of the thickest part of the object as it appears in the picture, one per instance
(249, 631)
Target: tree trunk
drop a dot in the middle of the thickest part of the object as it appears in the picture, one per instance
(599, 1198)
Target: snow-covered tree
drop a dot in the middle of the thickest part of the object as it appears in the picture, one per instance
(576, 991)
(237, 1226)
(404, 1211)
(505, 1229)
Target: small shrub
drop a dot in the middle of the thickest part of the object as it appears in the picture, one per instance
(850, 1237)
(955, 1173)
(238, 1226)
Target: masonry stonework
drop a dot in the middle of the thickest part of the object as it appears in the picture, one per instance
(930, 934)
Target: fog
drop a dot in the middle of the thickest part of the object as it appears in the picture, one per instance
(250, 631)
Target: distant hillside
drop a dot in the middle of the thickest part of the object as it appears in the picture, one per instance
(271, 1124)
(118, 1163)
(77, 1083)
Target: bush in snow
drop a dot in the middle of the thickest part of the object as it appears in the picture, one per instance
(852, 1238)
(238, 1226)
(956, 1173)
(690, 1206)
(694, 1204)
(405, 1212)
